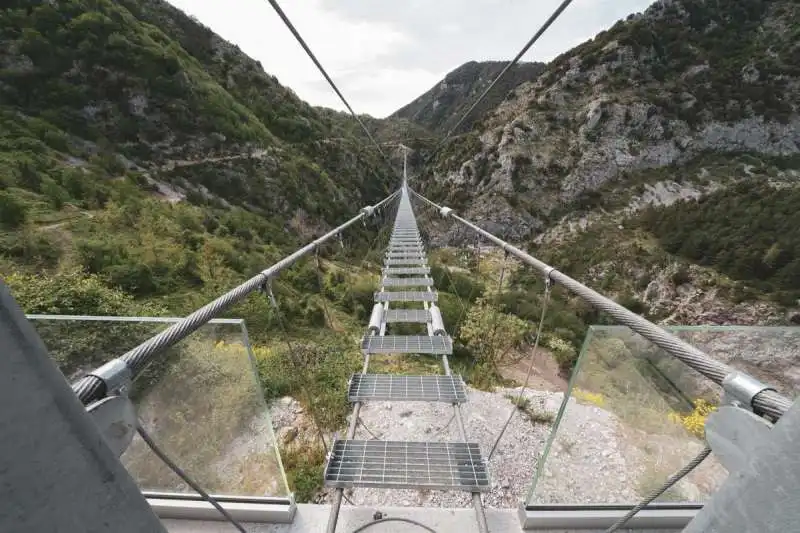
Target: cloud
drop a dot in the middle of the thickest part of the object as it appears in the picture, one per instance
(384, 54)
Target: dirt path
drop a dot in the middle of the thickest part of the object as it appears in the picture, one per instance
(57, 225)
(545, 375)
(170, 165)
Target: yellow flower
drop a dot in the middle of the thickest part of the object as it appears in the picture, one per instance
(591, 397)
(694, 422)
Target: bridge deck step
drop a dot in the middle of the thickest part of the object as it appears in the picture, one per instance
(407, 271)
(406, 296)
(410, 344)
(407, 465)
(407, 316)
(407, 282)
(404, 261)
(387, 387)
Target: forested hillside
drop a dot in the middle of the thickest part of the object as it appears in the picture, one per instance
(656, 162)
(147, 164)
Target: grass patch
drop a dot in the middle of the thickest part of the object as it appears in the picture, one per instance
(314, 374)
(536, 416)
(304, 471)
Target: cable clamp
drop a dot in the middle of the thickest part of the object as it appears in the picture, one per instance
(116, 375)
(368, 211)
(547, 275)
(266, 288)
(445, 212)
(740, 389)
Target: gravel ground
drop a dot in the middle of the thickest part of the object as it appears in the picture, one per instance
(594, 459)
(511, 468)
(587, 462)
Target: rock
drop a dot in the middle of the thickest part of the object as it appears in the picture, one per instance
(594, 114)
(750, 73)
(287, 434)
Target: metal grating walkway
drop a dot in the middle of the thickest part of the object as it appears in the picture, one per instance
(398, 465)
(406, 271)
(408, 316)
(407, 282)
(406, 296)
(408, 262)
(407, 344)
(386, 387)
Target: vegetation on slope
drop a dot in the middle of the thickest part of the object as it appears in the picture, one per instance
(750, 231)
(744, 57)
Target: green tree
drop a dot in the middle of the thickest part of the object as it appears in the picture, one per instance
(12, 211)
(491, 335)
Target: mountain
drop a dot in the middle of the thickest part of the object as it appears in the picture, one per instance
(612, 162)
(438, 109)
(148, 164)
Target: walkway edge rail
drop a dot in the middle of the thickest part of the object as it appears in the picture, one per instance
(763, 400)
(118, 372)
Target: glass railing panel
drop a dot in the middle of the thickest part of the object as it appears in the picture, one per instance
(635, 415)
(200, 400)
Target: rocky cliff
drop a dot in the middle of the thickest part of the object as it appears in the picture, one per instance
(440, 108)
(670, 105)
(659, 89)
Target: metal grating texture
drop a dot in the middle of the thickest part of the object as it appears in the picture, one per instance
(408, 316)
(413, 465)
(417, 250)
(438, 345)
(406, 271)
(407, 282)
(386, 387)
(406, 252)
(406, 296)
(397, 261)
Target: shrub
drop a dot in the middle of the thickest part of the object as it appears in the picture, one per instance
(12, 211)
(304, 468)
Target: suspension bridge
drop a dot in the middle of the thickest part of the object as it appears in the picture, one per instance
(62, 473)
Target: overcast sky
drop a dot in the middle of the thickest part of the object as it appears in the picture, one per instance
(384, 53)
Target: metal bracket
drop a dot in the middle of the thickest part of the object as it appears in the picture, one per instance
(547, 273)
(341, 241)
(115, 375)
(266, 288)
(733, 434)
(115, 417)
(741, 388)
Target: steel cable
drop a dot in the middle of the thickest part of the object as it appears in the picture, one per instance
(557, 13)
(330, 81)
(90, 388)
(768, 402)
(680, 474)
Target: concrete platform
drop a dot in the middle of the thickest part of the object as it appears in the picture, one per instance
(314, 518)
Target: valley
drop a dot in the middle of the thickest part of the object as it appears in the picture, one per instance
(148, 166)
